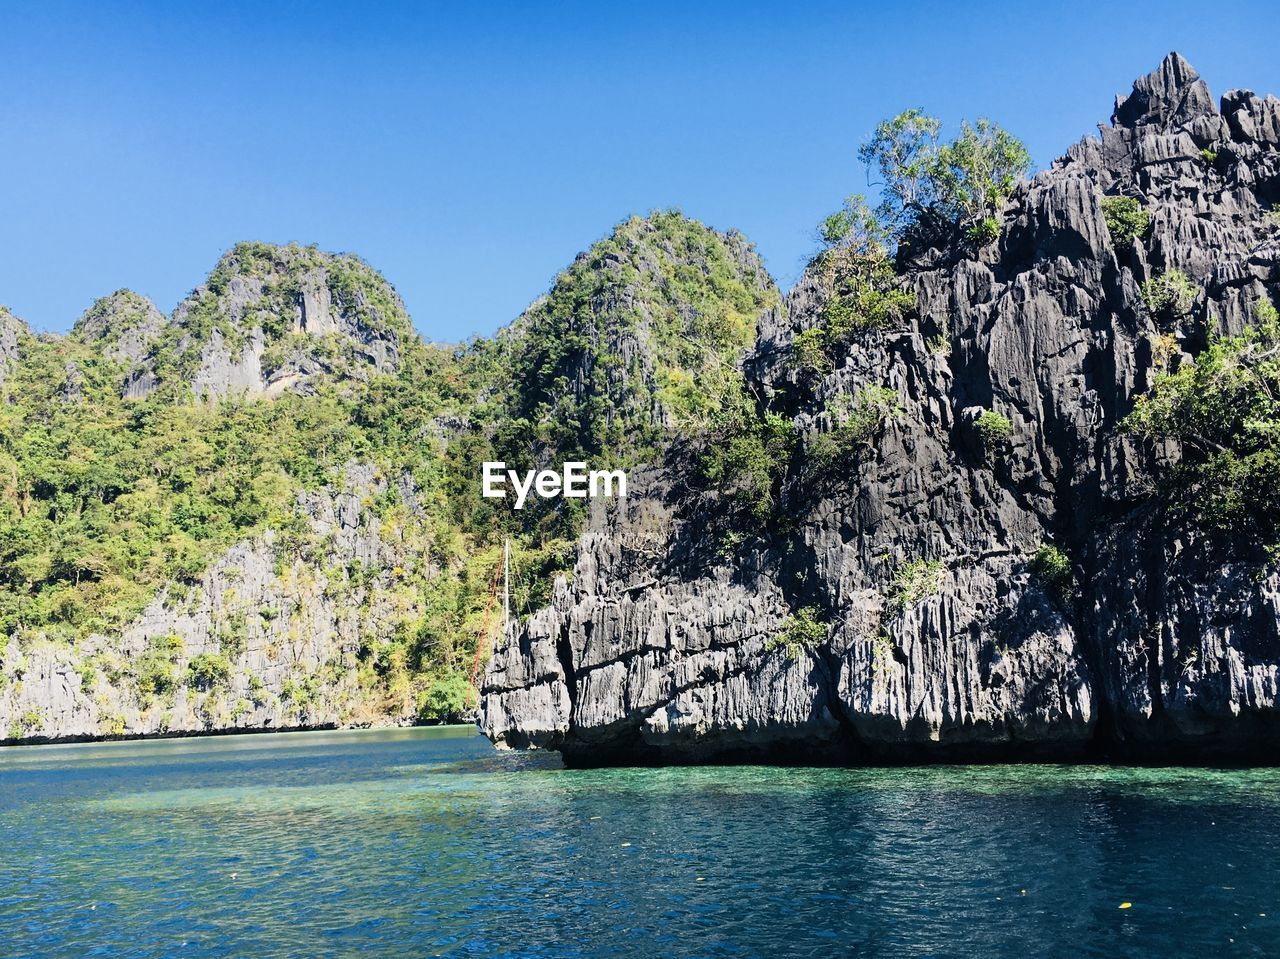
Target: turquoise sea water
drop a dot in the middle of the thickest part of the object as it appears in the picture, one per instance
(414, 843)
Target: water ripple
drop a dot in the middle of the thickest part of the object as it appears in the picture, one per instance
(427, 842)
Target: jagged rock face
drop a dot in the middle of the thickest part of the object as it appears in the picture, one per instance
(290, 630)
(1193, 637)
(122, 326)
(940, 642)
(12, 331)
(272, 319)
(1171, 96)
(639, 658)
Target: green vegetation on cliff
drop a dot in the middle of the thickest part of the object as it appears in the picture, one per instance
(965, 181)
(110, 493)
(639, 343)
(644, 332)
(1126, 219)
(863, 291)
(1222, 412)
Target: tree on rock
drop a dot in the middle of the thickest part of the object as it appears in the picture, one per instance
(964, 182)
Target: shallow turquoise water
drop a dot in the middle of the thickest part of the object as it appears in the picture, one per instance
(422, 842)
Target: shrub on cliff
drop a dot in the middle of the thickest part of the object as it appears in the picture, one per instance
(855, 421)
(862, 290)
(208, 670)
(978, 171)
(1053, 567)
(26, 724)
(983, 231)
(1126, 220)
(993, 429)
(809, 351)
(913, 581)
(746, 457)
(1170, 293)
(799, 632)
(1223, 412)
(904, 150)
(156, 670)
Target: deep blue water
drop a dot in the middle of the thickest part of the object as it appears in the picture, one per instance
(414, 843)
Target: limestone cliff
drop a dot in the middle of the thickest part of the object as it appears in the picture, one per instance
(937, 542)
(12, 331)
(642, 335)
(268, 319)
(122, 326)
(674, 640)
(262, 512)
(274, 634)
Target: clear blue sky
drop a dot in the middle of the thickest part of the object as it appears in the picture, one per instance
(470, 151)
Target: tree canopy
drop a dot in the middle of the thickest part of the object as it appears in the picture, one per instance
(965, 181)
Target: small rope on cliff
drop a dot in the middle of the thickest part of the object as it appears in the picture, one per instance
(488, 613)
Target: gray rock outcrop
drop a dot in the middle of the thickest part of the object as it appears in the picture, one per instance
(272, 319)
(123, 326)
(675, 640)
(12, 330)
(271, 636)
